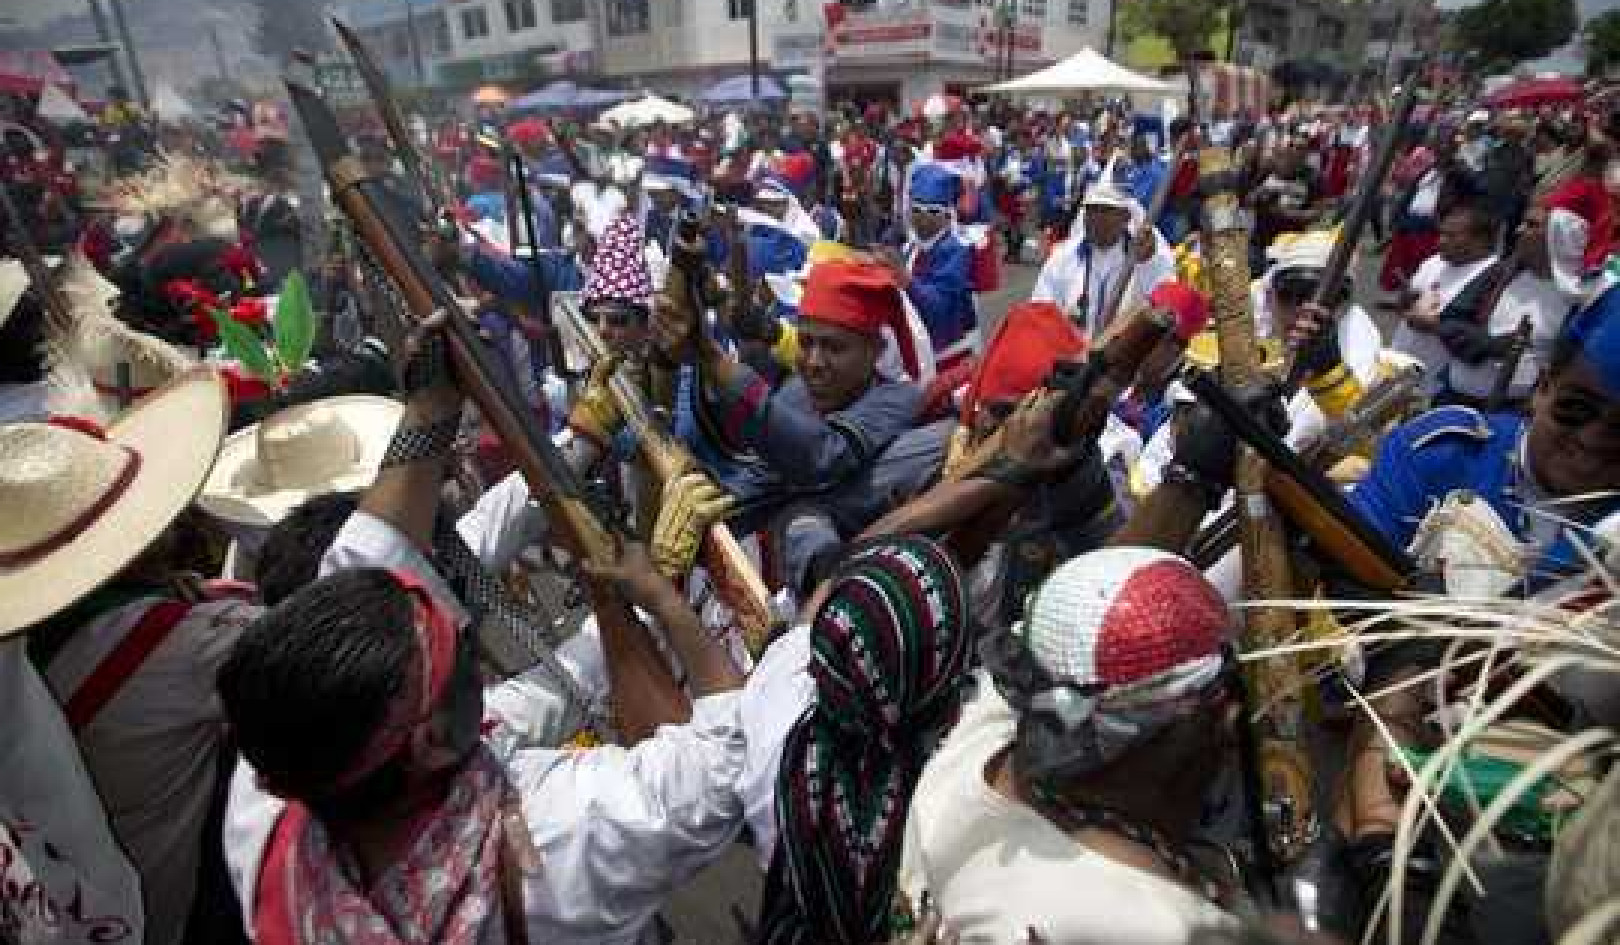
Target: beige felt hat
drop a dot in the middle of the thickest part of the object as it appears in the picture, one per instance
(76, 508)
(267, 470)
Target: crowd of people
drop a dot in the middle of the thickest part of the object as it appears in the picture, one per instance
(726, 507)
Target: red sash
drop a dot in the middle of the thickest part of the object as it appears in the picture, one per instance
(110, 675)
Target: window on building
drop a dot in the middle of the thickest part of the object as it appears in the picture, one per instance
(628, 17)
(739, 9)
(438, 31)
(399, 43)
(567, 11)
(1381, 31)
(474, 23)
(1079, 12)
(519, 15)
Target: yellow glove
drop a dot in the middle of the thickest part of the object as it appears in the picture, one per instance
(595, 415)
(691, 502)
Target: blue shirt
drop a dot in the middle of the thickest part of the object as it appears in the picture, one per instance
(1455, 448)
(941, 291)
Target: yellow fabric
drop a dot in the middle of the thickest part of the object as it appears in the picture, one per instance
(830, 251)
(1190, 265)
(786, 349)
(1204, 352)
(1335, 391)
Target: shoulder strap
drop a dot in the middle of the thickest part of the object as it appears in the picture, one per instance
(119, 665)
(1466, 304)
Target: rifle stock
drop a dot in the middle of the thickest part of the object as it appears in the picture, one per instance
(736, 580)
(634, 663)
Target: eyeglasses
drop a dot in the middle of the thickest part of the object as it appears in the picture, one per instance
(928, 209)
(612, 315)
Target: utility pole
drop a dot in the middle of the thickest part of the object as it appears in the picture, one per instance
(137, 80)
(416, 43)
(219, 50)
(1235, 27)
(753, 48)
(115, 62)
(1113, 27)
(1389, 48)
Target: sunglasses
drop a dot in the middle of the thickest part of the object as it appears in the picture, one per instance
(1577, 411)
(928, 209)
(1296, 288)
(618, 316)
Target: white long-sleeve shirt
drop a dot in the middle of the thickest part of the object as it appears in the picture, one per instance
(617, 829)
(1063, 279)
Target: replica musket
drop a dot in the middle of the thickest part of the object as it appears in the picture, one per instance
(39, 274)
(576, 521)
(434, 198)
(1362, 207)
(736, 581)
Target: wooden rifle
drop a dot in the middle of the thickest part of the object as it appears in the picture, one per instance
(1510, 364)
(634, 664)
(39, 275)
(517, 171)
(1389, 399)
(736, 581)
(1362, 207)
(438, 203)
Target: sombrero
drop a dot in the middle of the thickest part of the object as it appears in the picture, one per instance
(267, 470)
(77, 504)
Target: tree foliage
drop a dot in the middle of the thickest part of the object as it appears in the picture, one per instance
(286, 25)
(1507, 32)
(1186, 24)
(1602, 35)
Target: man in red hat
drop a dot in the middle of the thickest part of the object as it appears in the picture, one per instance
(825, 433)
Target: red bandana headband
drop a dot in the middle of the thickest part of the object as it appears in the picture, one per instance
(407, 718)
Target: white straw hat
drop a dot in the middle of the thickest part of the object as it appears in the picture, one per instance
(267, 470)
(76, 508)
(13, 283)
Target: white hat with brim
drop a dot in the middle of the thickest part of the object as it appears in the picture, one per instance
(13, 283)
(267, 470)
(1109, 195)
(76, 509)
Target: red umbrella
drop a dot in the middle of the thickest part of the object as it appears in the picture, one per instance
(1534, 93)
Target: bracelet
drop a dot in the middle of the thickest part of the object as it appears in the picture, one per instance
(1182, 474)
(414, 444)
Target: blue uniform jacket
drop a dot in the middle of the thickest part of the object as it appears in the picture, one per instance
(517, 280)
(941, 292)
(1451, 449)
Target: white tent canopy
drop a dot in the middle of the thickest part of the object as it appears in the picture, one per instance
(57, 105)
(646, 111)
(1085, 71)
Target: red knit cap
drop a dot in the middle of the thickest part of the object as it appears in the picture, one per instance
(529, 131)
(861, 297)
(1032, 339)
(1188, 304)
(957, 145)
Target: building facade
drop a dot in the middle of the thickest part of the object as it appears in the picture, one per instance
(411, 39)
(521, 44)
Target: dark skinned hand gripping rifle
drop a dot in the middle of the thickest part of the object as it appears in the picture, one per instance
(636, 668)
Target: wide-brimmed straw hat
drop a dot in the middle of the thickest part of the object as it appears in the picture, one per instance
(78, 504)
(267, 470)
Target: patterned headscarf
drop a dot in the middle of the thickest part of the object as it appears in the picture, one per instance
(1116, 644)
(619, 270)
(890, 654)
